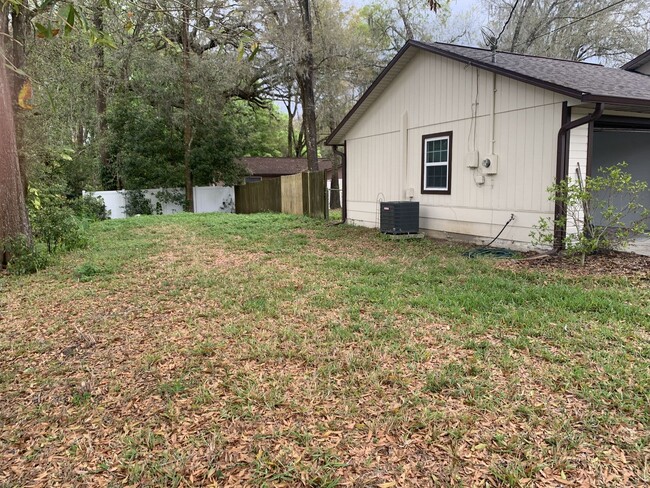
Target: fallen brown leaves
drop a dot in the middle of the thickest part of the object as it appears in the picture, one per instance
(171, 373)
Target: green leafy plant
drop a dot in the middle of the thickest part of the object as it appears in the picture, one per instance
(603, 212)
(58, 228)
(87, 271)
(54, 223)
(24, 258)
(90, 208)
(58, 224)
(173, 195)
(137, 204)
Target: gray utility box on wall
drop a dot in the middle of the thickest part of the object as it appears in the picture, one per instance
(399, 217)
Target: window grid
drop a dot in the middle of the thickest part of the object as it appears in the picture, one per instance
(437, 163)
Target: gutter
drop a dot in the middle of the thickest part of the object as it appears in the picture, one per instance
(344, 168)
(562, 168)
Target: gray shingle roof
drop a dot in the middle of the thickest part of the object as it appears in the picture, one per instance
(584, 81)
(591, 81)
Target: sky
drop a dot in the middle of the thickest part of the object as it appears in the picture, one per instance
(464, 5)
(459, 8)
(456, 5)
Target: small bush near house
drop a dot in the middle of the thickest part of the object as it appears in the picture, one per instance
(613, 195)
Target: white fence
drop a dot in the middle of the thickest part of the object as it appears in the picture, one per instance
(206, 199)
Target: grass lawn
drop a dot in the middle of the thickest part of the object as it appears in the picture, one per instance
(271, 350)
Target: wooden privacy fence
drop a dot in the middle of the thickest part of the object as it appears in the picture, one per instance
(299, 194)
(263, 196)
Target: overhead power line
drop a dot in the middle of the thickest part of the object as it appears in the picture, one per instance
(512, 11)
(572, 22)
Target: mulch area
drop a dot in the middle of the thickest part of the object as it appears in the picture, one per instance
(613, 263)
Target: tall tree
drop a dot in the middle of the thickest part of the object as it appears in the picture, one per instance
(287, 33)
(187, 100)
(14, 219)
(305, 75)
(100, 91)
(579, 30)
(20, 24)
(13, 210)
(391, 23)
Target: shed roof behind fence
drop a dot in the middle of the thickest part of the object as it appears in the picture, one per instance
(280, 166)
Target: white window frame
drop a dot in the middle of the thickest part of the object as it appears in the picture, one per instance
(425, 164)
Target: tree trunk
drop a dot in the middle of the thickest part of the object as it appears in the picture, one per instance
(290, 115)
(519, 21)
(13, 209)
(19, 23)
(290, 130)
(299, 143)
(100, 100)
(305, 78)
(187, 122)
(404, 16)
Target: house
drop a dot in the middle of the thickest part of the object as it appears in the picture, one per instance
(477, 136)
(640, 64)
(260, 168)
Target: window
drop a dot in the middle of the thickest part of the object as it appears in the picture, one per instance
(436, 163)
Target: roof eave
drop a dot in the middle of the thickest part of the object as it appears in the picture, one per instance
(587, 97)
(636, 62)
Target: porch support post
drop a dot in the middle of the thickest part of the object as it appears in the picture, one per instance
(562, 167)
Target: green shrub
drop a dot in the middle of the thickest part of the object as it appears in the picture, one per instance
(173, 195)
(58, 228)
(613, 195)
(89, 208)
(137, 204)
(24, 258)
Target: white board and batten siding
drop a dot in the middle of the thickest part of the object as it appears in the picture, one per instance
(206, 199)
(434, 94)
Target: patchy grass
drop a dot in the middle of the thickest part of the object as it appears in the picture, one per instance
(267, 350)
